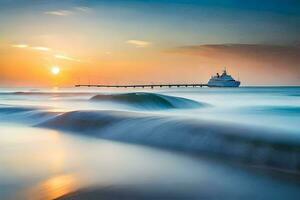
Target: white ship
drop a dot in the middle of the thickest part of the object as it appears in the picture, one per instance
(223, 80)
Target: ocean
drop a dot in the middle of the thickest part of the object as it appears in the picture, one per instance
(174, 143)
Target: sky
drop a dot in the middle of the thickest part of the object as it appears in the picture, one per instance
(150, 41)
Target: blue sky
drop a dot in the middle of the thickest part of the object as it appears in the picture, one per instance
(183, 21)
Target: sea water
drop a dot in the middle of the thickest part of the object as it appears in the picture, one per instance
(211, 143)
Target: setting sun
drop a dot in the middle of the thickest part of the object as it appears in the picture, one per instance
(55, 70)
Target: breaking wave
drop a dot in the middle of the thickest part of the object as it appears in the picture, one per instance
(35, 93)
(148, 100)
(282, 110)
(25, 114)
(249, 145)
(229, 141)
(15, 109)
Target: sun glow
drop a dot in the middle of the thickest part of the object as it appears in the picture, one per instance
(55, 70)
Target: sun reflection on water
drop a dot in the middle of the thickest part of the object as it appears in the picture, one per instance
(37, 151)
(54, 187)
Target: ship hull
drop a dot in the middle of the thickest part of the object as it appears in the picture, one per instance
(223, 84)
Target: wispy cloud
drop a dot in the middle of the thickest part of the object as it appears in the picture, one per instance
(59, 12)
(20, 45)
(251, 51)
(139, 43)
(72, 11)
(49, 51)
(82, 9)
(259, 62)
(26, 46)
(64, 57)
(41, 48)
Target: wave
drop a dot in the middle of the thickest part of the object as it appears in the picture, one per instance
(54, 94)
(278, 110)
(34, 93)
(250, 145)
(25, 114)
(148, 100)
(15, 109)
(255, 146)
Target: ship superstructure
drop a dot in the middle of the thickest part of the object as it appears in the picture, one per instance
(223, 80)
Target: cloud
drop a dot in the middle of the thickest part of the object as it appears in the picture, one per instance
(26, 46)
(83, 9)
(63, 57)
(260, 63)
(41, 48)
(241, 47)
(59, 12)
(139, 43)
(258, 52)
(20, 45)
(68, 12)
(46, 49)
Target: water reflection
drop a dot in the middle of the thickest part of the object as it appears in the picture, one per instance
(53, 187)
(33, 163)
(44, 164)
(40, 153)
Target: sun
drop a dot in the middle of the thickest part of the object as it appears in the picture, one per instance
(55, 70)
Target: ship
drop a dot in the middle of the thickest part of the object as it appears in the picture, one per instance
(223, 80)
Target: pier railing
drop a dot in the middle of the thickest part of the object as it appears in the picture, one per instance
(141, 85)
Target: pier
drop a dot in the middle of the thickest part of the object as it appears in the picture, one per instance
(142, 85)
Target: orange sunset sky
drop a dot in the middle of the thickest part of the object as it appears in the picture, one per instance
(135, 42)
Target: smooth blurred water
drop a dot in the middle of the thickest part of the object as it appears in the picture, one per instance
(40, 163)
(277, 107)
